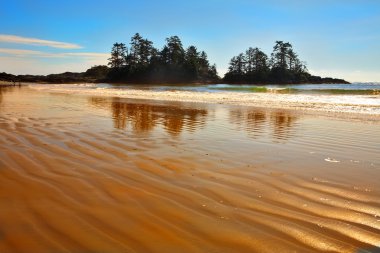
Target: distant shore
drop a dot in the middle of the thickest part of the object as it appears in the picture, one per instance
(39, 81)
(6, 83)
(93, 75)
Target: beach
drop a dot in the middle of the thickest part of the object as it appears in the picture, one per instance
(88, 169)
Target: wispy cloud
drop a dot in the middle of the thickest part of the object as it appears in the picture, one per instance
(37, 42)
(86, 54)
(40, 54)
(19, 52)
(37, 66)
(22, 61)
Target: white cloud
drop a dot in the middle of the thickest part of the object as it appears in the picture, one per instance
(34, 53)
(20, 61)
(38, 66)
(18, 52)
(87, 55)
(37, 42)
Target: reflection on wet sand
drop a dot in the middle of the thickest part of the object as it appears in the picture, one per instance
(144, 117)
(257, 122)
(4, 89)
(283, 125)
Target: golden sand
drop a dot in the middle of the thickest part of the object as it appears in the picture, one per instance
(88, 174)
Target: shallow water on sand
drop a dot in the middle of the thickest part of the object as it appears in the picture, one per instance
(104, 174)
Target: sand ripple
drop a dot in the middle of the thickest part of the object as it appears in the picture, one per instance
(78, 191)
(98, 174)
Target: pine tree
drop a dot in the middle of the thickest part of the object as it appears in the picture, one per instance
(118, 55)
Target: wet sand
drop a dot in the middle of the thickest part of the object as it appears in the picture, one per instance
(103, 174)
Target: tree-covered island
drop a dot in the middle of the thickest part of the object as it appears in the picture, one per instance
(141, 62)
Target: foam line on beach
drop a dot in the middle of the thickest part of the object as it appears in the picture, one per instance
(362, 104)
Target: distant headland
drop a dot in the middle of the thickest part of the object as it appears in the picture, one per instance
(141, 62)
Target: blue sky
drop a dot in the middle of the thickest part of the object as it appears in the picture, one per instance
(336, 38)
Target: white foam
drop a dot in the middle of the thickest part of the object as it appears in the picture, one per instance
(364, 104)
(331, 160)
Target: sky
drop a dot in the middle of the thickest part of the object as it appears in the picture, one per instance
(336, 38)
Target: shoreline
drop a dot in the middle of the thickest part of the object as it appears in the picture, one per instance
(368, 105)
(176, 83)
(10, 84)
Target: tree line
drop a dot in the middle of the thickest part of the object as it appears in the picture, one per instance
(141, 62)
(283, 66)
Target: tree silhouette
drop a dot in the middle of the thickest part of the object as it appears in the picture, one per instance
(254, 66)
(192, 62)
(280, 55)
(118, 55)
(144, 63)
(141, 51)
(176, 53)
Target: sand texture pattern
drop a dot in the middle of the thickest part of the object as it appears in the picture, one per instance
(81, 174)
